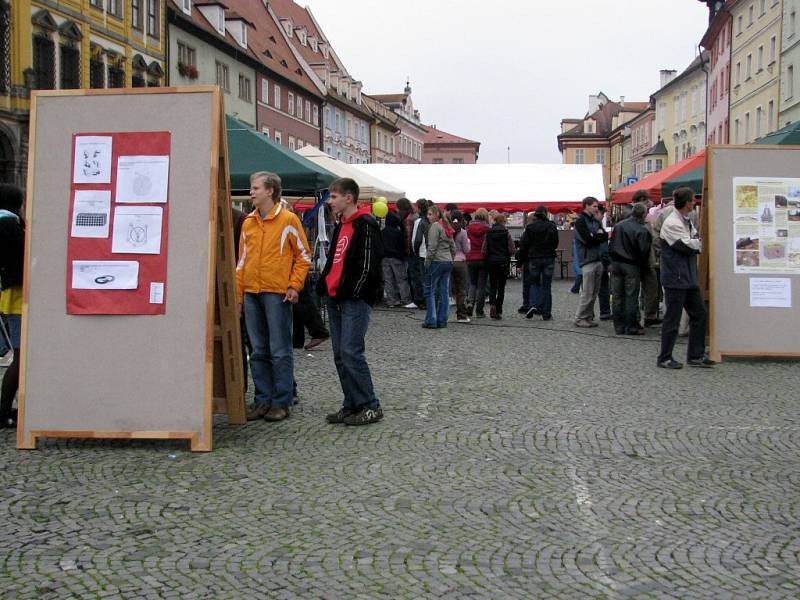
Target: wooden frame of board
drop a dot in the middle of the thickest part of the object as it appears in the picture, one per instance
(132, 377)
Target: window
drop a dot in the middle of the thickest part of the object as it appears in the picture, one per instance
(438, 161)
(600, 156)
(136, 14)
(153, 24)
(770, 115)
(265, 91)
(292, 143)
(97, 73)
(758, 122)
(792, 23)
(738, 73)
(116, 76)
(223, 80)
(187, 55)
(70, 71)
(750, 16)
(276, 98)
(648, 164)
(739, 25)
(458, 161)
(244, 88)
(747, 128)
(579, 156)
(760, 63)
(736, 131)
(659, 164)
(789, 81)
(676, 105)
(749, 72)
(315, 114)
(137, 79)
(265, 131)
(299, 112)
(772, 49)
(308, 110)
(763, 10)
(114, 7)
(290, 103)
(186, 6)
(278, 137)
(683, 106)
(44, 62)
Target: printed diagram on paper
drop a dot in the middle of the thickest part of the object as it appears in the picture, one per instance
(142, 179)
(137, 230)
(90, 214)
(766, 225)
(105, 275)
(92, 159)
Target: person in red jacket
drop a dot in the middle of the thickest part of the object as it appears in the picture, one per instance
(476, 267)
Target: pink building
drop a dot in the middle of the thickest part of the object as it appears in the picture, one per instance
(411, 139)
(441, 147)
(717, 42)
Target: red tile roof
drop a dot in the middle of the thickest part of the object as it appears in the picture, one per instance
(437, 136)
(301, 17)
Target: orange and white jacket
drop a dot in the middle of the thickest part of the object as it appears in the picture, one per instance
(273, 253)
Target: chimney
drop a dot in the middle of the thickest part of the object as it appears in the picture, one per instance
(622, 101)
(667, 75)
(594, 104)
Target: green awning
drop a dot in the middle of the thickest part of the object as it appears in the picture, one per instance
(692, 179)
(250, 151)
(785, 136)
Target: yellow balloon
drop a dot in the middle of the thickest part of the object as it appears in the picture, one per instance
(380, 209)
(382, 199)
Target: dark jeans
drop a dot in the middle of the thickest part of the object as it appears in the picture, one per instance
(677, 300)
(416, 266)
(498, 274)
(459, 288)
(651, 292)
(349, 320)
(438, 298)
(526, 287)
(540, 274)
(477, 284)
(625, 285)
(604, 295)
(269, 326)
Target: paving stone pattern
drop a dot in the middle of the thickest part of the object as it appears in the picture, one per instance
(517, 459)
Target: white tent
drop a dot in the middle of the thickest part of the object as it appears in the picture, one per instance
(371, 186)
(505, 187)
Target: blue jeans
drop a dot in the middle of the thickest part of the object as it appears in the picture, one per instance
(540, 272)
(269, 327)
(438, 300)
(348, 322)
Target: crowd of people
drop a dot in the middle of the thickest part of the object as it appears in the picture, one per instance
(421, 257)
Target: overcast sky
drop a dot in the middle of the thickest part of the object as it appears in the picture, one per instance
(506, 72)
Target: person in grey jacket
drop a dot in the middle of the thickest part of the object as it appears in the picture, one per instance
(590, 243)
(630, 257)
(679, 249)
(439, 264)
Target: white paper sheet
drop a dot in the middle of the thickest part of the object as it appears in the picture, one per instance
(142, 178)
(773, 292)
(156, 293)
(90, 214)
(105, 274)
(137, 230)
(92, 159)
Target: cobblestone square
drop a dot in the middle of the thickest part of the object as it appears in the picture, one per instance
(517, 459)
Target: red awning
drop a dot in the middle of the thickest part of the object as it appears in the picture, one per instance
(652, 184)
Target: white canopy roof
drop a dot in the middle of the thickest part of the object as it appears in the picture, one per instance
(506, 187)
(371, 186)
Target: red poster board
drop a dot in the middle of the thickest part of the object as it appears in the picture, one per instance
(152, 268)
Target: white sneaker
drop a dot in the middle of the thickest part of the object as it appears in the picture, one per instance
(464, 320)
(410, 305)
(452, 302)
(6, 360)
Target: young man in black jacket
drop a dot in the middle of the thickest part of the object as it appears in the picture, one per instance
(630, 257)
(351, 283)
(537, 252)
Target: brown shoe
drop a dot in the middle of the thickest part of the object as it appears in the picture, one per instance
(277, 413)
(256, 412)
(314, 342)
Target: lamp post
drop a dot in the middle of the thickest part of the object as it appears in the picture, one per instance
(508, 154)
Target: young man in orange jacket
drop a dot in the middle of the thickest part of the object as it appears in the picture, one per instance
(273, 263)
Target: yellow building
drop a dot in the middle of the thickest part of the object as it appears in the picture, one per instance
(67, 44)
(755, 68)
(681, 110)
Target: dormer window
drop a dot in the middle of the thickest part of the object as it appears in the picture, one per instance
(302, 35)
(314, 43)
(324, 48)
(186, 6)
(288, 26)
(238, 29)
(215, 15)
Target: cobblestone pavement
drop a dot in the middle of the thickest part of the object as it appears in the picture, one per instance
(517, 459)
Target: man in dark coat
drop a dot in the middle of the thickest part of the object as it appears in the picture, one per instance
(630, 256)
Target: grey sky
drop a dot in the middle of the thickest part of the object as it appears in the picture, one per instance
(506, 72)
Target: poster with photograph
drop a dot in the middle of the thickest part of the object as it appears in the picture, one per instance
(766, 222)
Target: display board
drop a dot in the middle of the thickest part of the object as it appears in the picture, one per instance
(118, 180)
(753, 239)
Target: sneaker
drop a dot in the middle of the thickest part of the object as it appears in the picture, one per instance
(339, 416)
(463, 320)
(585, 323)
(314, 342)
(427, 326)
(703, 363)
(364, 417)
(532, 311)
(410, 305)
(523, 309)
(276, 413)
(6, 360)
(670, 364)
(257, 411)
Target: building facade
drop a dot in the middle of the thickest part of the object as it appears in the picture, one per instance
(717, 42)
(681, 110)
(755, 68)
(383, 131)
(441, 147)
(642, 139)
(67, 45)
(790, 62)
(411, 141)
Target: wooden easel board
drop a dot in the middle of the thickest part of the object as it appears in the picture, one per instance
(122, 376)
(736, 327)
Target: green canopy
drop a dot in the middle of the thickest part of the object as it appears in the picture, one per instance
(785, 136)
(692, 179)
(250, 151)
